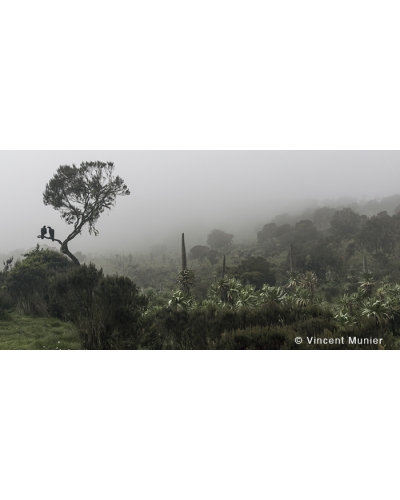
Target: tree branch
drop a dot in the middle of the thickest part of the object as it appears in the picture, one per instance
(63, 248)
(48, 238)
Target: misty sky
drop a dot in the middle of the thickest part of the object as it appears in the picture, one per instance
(187, 191)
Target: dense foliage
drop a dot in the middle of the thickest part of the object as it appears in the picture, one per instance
(105, 309)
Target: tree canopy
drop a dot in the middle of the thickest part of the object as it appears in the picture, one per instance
(219, 239)
(256, 271)
(82, 194)
(199, 252)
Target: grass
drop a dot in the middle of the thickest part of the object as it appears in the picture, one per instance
(30, 333)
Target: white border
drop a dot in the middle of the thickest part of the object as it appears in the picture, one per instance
(210, 75)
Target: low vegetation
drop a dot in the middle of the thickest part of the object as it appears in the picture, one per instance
(26, 332)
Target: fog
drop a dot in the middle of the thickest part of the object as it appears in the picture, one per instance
(188, 191)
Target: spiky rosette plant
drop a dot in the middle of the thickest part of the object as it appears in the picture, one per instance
(226, 287)
(181, 301)
(234, 289)
(186, 277)
(367, 284)
(344, 319)
(186, 280)
(293, 280)
(303, 297)
(247, 298)
(272, 294)
(346, 303)
(376, 309)
(219, 290)
(309, 281)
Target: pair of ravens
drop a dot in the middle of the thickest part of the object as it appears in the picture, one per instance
(43, 232)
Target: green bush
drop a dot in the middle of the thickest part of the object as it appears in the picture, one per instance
(28, 282)
(106, 310)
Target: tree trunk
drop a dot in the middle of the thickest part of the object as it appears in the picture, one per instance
(64, 249)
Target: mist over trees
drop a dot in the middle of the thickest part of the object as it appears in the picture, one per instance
(325, 271)
(219, 239)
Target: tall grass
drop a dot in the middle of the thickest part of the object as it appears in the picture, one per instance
(27, 333)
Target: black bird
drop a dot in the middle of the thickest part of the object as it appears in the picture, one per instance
(43, 232)
(51, 232)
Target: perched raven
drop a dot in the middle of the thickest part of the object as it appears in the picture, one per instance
(51, 232)
(43, 232)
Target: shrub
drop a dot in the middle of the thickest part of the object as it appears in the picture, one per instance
(28, 282)
(105, 310)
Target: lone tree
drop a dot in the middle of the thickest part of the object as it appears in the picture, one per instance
(199, 252)
(218, 239)
(81, 195)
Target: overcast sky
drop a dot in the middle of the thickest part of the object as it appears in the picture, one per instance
(187, 191)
